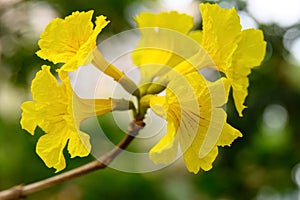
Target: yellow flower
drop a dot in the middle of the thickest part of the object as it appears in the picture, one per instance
(58, 112)
(235, 52)
(222, 45)
(71, 40)
(163, 44)
(195, 121)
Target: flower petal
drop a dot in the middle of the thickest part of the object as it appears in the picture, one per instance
(71, 40)
(84, 53)
(211, 131)
(212, 93)
(196, 35)
(221, 28)
(167, 148)
(163, 42)
(184, 23)
(62, 38)
(79, 144)
(159, 106)
(50, 147)
(29, 120)
(249, 54)
(228, 135)
(162, 49)
(194, 163)
(219, 91)
(44, 86)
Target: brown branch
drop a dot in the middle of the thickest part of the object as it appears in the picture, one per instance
(22, 191)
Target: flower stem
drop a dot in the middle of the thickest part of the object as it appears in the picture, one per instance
(22, 191)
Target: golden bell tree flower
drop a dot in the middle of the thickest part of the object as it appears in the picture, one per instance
(72, 41)
(163, 44)
(58, 111)
(222, 45)
(195, 121)
(234, 51)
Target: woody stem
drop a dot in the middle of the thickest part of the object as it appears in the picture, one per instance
(21, 191)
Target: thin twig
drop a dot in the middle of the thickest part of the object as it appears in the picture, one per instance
(21, 191)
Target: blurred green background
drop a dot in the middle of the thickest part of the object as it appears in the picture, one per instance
(264, 164)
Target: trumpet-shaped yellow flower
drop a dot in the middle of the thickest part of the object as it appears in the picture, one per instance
(71, 40)
(235, 52)
(195, 121)
(222, 45)
(58, 112)
(163, 44)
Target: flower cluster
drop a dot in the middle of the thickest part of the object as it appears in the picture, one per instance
(169, 56)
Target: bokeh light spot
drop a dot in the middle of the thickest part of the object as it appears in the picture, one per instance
(275, 116)
(284, 13)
